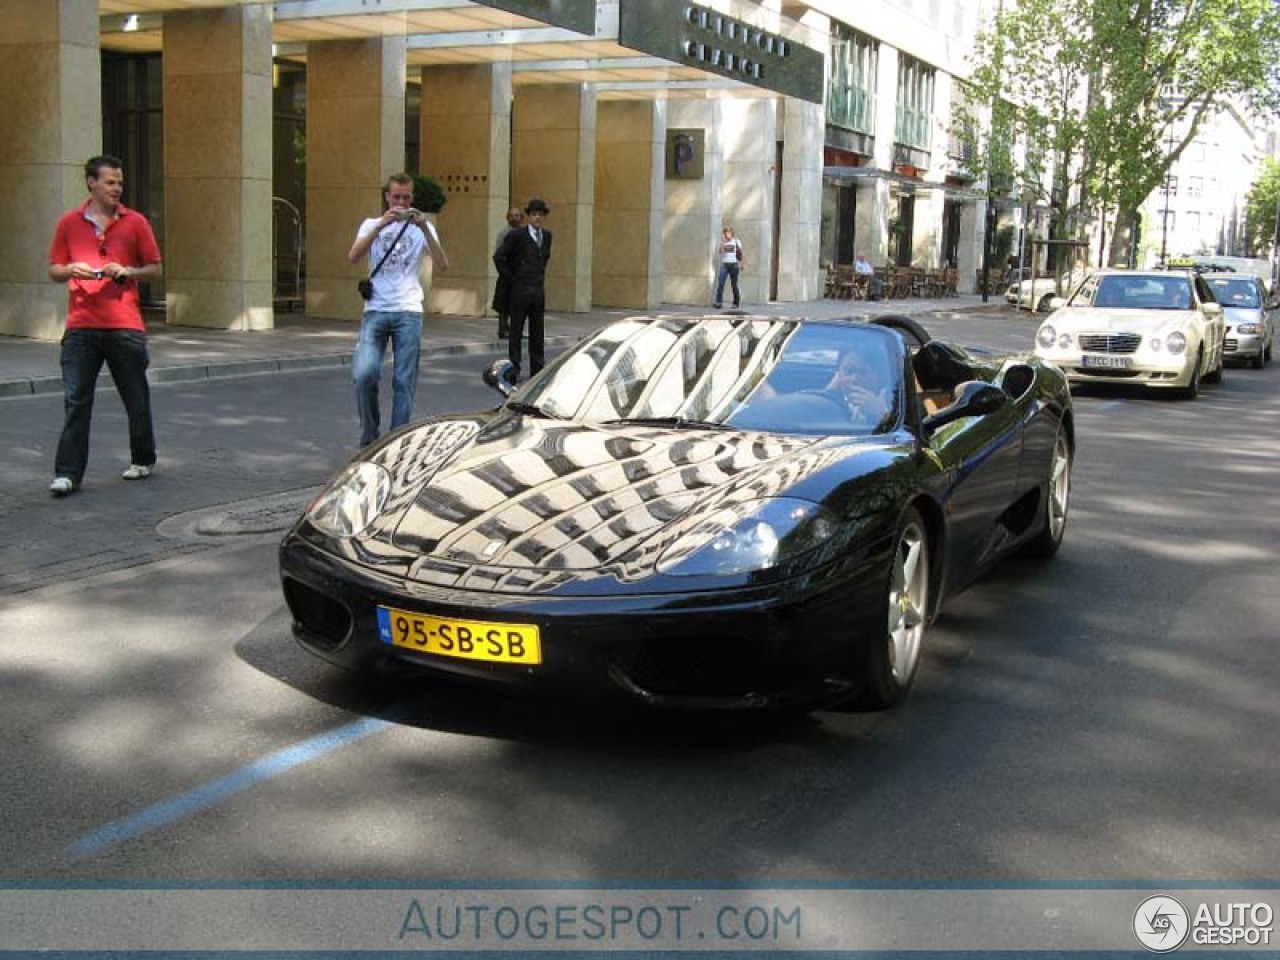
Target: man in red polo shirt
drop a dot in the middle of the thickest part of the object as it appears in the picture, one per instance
(101, 251)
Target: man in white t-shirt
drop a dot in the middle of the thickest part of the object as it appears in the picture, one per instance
(395, 244)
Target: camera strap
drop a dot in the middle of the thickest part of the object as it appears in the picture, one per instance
(403, 227)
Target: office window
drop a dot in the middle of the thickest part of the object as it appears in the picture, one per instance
(915, 103)
(851, 92)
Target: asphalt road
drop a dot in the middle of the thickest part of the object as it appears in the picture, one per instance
(1106, 717)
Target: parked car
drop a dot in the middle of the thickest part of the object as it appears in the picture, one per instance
(1036, 294)
(1154, 328)
(689, 512)
(1249, 314)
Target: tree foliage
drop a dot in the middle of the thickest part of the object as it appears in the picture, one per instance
(1263, 206)
(1111, 92)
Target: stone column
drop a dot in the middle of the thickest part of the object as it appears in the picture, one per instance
(871, 223)
(972, 231)
(553, 154)
(627, 264)
(466, 146)
(355, 140)
(693, 211)
(800, 275)
(217, 142)
(748, 138)
(51, 115)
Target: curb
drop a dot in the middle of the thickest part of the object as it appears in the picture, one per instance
(245, 368)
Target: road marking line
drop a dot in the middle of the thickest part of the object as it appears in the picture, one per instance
(193, 801)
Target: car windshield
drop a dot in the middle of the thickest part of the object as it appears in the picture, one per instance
(774, 375)
(1235, 292)
(1139, 292)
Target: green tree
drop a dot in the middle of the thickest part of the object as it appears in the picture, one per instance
(1115, 90)
(1263, 209)
(428, 195)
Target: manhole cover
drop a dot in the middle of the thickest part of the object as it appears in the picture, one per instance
(274, 513)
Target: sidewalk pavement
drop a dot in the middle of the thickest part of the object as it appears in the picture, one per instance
(298, 342)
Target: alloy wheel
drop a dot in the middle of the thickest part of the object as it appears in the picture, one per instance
(908, 598)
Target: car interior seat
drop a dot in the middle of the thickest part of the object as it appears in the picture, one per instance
(938, 371)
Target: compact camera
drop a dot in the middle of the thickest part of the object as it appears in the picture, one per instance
(407, 213)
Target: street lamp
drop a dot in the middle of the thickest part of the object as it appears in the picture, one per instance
(1164, 213)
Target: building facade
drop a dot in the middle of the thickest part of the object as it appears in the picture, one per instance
(256, 136)
(896, 185)
(1201, 206)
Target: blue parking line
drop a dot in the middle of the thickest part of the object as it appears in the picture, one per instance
(193, 801)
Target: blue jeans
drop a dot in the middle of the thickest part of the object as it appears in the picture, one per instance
(404, 330)
(83, 354)
(727, 271)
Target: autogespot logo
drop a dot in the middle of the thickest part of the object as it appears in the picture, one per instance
(1161, 923)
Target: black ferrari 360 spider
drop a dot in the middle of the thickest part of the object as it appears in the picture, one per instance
(705, 512)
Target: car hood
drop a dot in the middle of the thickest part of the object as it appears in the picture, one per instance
(1234, 315)
(1103, 320)
(524, 502)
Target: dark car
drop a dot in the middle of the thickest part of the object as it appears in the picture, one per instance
(704, 512)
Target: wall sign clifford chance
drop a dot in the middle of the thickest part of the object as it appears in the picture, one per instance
(689, 33)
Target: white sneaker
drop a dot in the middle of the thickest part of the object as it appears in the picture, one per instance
(62, 486)
(136, 472)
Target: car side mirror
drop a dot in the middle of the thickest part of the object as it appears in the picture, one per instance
(974, 398)
(500, 375)
(1213, 309)
(1057, 303)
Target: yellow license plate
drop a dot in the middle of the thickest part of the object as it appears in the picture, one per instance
(466, 639)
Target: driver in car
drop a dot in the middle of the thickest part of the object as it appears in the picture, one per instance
(862, 384)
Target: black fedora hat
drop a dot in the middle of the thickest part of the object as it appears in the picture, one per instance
(537, 205)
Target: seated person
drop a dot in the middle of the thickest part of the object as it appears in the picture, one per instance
(862, 384)
(866, 275)
(1177, 296)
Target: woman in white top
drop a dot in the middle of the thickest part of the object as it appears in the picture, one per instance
(730, 263)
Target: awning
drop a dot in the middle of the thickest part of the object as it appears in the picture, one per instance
(904, 183)
(651, 49)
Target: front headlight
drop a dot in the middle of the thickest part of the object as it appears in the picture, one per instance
(1046, 335)
(755, 535)
(1176, 342)
(1249, 329)
(352, 501)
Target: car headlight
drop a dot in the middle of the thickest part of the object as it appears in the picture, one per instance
(1252, 329)
(755, 535)
(1046, 335)
(352, 501)
(1176, 342)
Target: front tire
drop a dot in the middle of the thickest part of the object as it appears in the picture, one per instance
(1056, 502)
(1215, 375)
(1043, 305)
(1192, 389)
(892, 662)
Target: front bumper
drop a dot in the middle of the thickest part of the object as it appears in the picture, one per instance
(1244, 346)
(1144, 371)
(739, 649)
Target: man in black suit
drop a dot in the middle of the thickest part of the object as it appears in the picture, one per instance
(521, 260)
